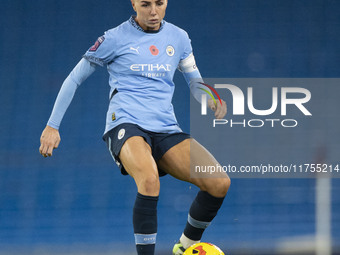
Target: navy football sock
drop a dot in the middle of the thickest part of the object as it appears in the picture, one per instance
(145, 224)
(202, 211)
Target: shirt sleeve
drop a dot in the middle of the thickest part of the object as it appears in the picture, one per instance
(78, 75)
(187, 50)
(103, 50)
(193, 77)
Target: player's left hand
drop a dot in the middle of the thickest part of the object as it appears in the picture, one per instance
(220, 110)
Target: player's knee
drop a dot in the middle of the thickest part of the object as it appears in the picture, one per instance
(219, 187)
(149, 185)
(224, 186)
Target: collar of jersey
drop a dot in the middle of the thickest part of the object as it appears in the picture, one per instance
(135, 24)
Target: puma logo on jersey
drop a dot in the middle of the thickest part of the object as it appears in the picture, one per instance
(135, 49)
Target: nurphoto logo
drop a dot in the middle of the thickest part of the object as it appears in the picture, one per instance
(301, 97)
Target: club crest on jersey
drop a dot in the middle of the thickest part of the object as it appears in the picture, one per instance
(154, 51)
(170, 51)
(96, 45)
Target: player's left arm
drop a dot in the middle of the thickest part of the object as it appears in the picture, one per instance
(194, 79)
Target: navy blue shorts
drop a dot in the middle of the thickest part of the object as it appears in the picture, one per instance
(160, 143)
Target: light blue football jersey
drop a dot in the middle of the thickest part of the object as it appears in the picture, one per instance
(141, 67)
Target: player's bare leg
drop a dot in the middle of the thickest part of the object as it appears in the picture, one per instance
(137, 160)
(177, 162)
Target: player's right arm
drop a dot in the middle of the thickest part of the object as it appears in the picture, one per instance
(50, 137)
(100, 54)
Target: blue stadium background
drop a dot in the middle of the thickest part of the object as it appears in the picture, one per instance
(77, 200)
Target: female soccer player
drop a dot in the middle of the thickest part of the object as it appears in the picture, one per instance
(142, 133)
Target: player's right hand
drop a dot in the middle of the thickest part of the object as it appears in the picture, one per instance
(49, 140)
